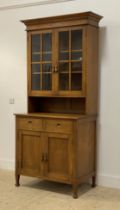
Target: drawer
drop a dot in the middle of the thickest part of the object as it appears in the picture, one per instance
(29, 124)
(59, 126)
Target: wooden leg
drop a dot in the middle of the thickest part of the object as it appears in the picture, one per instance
(17, 177)
(93, 181)
(75, 190)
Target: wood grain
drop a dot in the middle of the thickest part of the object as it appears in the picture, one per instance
(56, 139)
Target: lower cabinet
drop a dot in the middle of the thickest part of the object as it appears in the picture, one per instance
(40, 154)
(64, 153)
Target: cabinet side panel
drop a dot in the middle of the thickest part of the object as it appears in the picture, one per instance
(92, 70)
(86, 148)
(16, 148)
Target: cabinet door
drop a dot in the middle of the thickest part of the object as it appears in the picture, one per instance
(29, 153)
(58, 157)
(71, 72)
(40, 60)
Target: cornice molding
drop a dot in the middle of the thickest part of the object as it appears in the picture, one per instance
(18, 4)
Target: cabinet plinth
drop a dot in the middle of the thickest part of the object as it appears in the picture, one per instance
(56, 139)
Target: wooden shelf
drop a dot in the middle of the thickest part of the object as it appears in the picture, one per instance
(42, 73)
(56, 115)
(61, 51)
(67, 51)
(41, 62)
(36, 73)
(43, 52)
(64, 72)
(67, 61)
(75, 72)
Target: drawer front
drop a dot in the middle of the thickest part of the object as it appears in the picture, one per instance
(29, 124)
(58, 126)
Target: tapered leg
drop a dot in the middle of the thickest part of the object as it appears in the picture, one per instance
(17, 177)
(75, 190)
(93, 181)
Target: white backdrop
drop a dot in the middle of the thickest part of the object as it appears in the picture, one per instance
(13, 79)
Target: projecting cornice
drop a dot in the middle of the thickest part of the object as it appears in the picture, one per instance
(16, 4)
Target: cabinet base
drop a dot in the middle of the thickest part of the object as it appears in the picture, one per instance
(93, 181)
(17, 178)
(75, 190)
(74, 185)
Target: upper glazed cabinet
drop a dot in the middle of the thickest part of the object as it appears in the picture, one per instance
(62, 54)
(57, 62)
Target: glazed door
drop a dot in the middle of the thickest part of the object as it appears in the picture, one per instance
(57, 156)
(56, 64)
(70, 62)
(41, 61)
(29, 144)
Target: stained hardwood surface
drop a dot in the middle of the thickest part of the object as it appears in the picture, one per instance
(56, 115)
(56, 138)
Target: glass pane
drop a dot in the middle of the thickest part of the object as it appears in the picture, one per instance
(64, 67)
(47, 67)
(36, 43)
(46, 42)
(36, 57)
(76, 81)
(76, 67)
(46, 57)
(64, 81)
(35, 81)
(35, 68)
(76, 56)
(46, 82)
(76, 39)
(64, 40)
(64, 56)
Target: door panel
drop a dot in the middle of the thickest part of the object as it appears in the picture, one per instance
(71, 74)
(41, 63)
(58, 151)
(30, 153)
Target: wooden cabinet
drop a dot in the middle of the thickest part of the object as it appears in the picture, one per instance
(56, 139)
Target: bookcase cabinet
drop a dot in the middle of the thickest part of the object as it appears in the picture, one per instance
(56, 139)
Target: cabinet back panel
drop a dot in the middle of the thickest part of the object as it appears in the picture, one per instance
(56, 105)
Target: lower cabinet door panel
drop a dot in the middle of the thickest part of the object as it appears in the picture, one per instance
(29, 153)
(58, 156)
